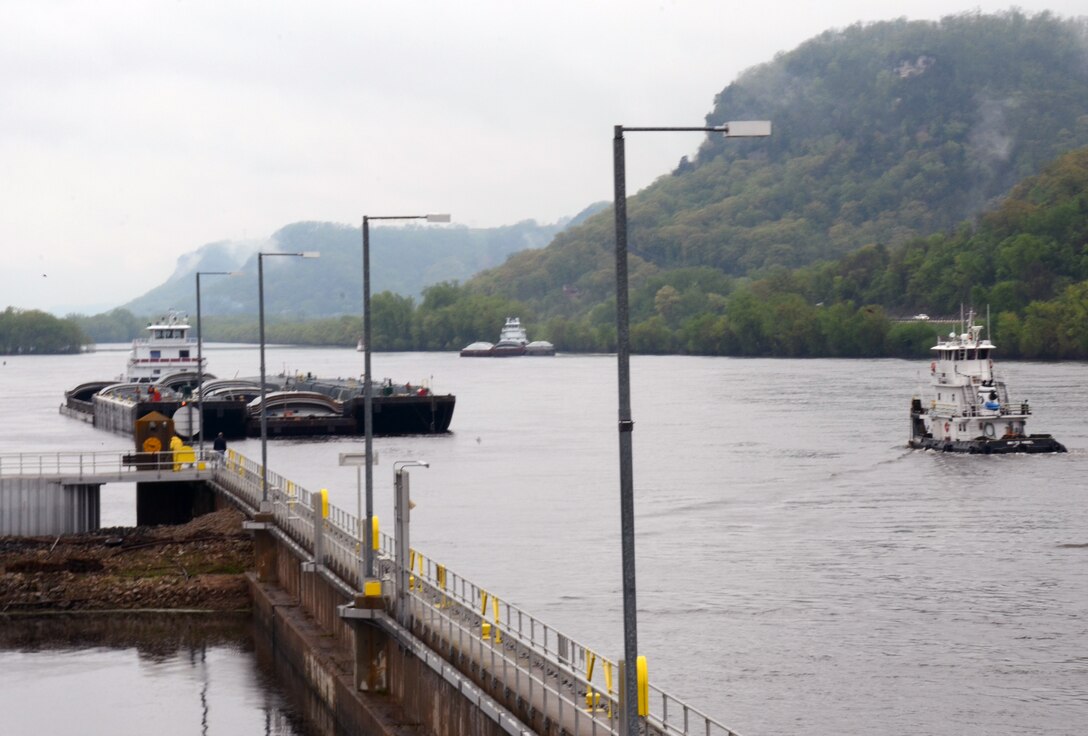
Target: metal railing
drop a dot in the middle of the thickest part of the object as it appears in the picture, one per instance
(78, 465)
(554, 673)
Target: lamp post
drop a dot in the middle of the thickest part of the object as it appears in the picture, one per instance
(200, 361)
(368, 392)
(358, 459)
(747, 128)
(403, 509)
(264, 411)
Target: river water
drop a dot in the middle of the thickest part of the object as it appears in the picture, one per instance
(799, 569)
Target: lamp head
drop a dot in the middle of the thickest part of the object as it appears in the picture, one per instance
(746, 128)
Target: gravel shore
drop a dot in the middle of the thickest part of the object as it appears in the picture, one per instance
(195, 566)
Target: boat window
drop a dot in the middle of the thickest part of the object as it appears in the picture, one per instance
(984, 353)
(183, 354)
(156, 354)
(158, 334)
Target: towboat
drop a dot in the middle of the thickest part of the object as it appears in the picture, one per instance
(970, 409)
(513, 341)
(166, 349)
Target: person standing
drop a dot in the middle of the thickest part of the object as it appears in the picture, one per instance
(219, 445)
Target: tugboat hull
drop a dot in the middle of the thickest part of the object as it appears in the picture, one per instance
(1035, 443)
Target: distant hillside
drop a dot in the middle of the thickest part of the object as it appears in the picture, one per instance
(404, 260)
(882, 133)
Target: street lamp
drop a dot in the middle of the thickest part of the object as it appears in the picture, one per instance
(745, 129)
(368, 408)
(264, 411)
(403, 509)
(200, 360)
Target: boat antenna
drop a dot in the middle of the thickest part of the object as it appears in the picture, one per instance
(988, 322)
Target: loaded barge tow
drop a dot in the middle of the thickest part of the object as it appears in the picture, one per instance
(163, 375)
(970, 410)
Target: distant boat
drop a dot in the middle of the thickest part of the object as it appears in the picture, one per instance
(513, 341)
(970, 409)
(360, 346)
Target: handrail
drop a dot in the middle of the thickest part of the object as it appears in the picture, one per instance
(504, 638)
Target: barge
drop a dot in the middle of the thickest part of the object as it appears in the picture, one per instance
(163, 375)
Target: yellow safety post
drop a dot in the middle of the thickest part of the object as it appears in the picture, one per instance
(485, 627)
(495, 614)
(643, 687)
(593, 698)
(324, 503)
(374, 532)
(608, 683)
(421, 567)
(440, 575)
(411, 567)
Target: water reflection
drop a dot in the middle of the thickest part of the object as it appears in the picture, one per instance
(131, 673)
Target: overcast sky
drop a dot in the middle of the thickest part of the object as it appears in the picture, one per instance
(132, 132)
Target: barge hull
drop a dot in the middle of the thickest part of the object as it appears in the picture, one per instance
(393, 415)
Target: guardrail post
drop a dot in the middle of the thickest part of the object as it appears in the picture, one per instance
(319, 533)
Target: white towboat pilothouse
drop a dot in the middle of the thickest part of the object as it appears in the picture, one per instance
(166, 349)
(970, 410)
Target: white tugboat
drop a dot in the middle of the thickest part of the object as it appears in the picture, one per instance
(970, 410)
(166, 349)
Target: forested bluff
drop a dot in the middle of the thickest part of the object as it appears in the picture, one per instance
(914, 167)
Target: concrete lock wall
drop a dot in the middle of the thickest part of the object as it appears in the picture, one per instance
(296, 609)
(38, 506)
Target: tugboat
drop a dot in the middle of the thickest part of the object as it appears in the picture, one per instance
(166, 349)
(970, 410)
(513, 341)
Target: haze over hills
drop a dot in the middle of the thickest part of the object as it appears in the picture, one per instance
(882, 133)
(886, 136)
(404, 260)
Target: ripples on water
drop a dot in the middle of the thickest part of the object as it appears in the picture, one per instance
(799, 570)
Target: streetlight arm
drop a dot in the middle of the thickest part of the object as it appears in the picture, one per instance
(732, 129)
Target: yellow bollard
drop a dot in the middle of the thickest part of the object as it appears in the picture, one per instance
(485, 627)
(593, 698)
(440, 574)
(324, 503)
(374, 542)
(608, 684)
(411, 567)
(643, 687)
(495, 615)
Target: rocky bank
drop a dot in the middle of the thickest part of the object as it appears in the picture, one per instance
(195, 566)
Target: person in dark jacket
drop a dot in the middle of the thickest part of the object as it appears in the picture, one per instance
(220, 447)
